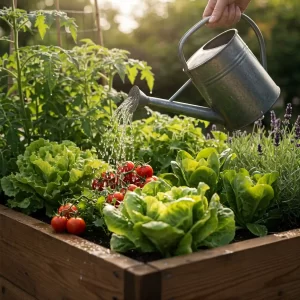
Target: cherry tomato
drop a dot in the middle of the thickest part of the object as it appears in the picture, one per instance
(76, 226)
(95, 184)
(67, 210)
(59, 223)
(109, 198)
(109, 179)
(132, 187)
(149, 179)
(131, 178)
(123, 191)
(144, 171)
(126, 167)
(118, 196)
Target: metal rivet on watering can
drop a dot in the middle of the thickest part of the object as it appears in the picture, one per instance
(236, 87)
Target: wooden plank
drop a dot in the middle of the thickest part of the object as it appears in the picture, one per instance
(257, 269)
(9, 291)
(142, 283)
(57, 266)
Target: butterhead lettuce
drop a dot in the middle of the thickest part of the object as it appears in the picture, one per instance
(169, 220)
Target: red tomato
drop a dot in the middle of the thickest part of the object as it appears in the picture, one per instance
(131, 178)
(132, 187)
(118, 196)
(144, 171)
(76, 226)
(109, 198)
(59, 223)
(67, 210)
(123, 191)
(149, 179)
(95, 184)
(109, 179)
(126, 167)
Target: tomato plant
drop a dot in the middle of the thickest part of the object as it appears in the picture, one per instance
(126, 167)
(67, 210)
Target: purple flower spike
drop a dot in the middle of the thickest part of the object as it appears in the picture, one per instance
(288, 114)
(277, 139)
(208, 136)
(273, 119)
(213, 127)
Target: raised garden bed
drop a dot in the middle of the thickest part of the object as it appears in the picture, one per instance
(38, 264)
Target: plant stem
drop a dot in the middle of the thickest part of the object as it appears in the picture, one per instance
(110, 84)
(19, 78)
(85, 91)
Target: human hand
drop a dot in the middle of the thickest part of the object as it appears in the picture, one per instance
(224, 13)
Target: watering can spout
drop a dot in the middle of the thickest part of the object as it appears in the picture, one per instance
(141, 100)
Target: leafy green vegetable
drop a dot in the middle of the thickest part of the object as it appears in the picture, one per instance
(206, 167)
(159, 137)
(47, 173)
(251, 199)
(169, 220)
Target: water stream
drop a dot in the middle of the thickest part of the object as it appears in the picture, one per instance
(117, 138)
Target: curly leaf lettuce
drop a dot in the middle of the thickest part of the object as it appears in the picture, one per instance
(48, 172)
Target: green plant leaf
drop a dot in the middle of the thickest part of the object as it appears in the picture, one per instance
(257, 229)
(162, 235)
(170, 178)
(134, 203)
(185, 245)
(205, 153)
(206, 175)
(148, 75)
(179, 214)
(225, 231)
(41, 25)
(132, 73)
(154, 187)
(120, 243)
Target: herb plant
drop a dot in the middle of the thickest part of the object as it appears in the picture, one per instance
(274, 150)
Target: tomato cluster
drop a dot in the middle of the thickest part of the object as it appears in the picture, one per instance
(67, 219)
(127, 177)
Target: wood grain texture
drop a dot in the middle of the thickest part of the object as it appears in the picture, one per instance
(142, 283)
(57, 266)
(258, 269)
(9, 291)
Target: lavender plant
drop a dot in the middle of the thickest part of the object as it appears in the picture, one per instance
(277, 149)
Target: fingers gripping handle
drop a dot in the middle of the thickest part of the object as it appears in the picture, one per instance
(197, 26)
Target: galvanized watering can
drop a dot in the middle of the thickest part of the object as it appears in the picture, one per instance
(236, 87)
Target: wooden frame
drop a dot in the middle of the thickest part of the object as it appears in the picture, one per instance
(37, 264)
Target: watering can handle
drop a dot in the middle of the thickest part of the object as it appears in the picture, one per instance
(257, 31)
